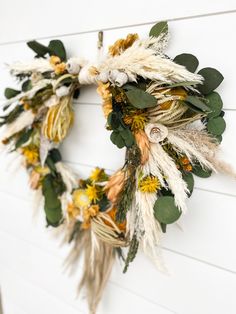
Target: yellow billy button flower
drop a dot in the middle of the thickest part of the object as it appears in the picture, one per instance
(93, 192)
(80, 198)
(149, 184)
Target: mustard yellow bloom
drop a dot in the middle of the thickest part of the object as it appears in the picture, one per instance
(72, 211)
(93, 192)
(58, 66)
(179, 93)
(80, 198)
(122, 44)
(98, 175)
(136, 120)
(31, 154)
(88, 213)
(104, 91)
(149, 184)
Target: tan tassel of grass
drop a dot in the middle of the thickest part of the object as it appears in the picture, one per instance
(96, 276)
(143, 144)
(114, 185)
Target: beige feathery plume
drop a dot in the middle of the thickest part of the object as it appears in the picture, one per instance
(143, 144)
(172, 175)
(96, 274)
(182, 143)
(25, 119)
(115, 185)
(141, 59)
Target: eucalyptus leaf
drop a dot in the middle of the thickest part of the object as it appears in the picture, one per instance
(113, 120)
(26, 86)
(198, 103)
(188, 178)
(159, 29)
(10, 93)
(52, 204)
(117, 139)
(25, 136)
(215, 104)
(212, 79)
(140, 99)
(200, 172)
(216, 126)
(57, 48)
(188, 60)
(165, 210)
(40, 49)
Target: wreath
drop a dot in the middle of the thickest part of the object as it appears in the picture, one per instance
(167, 116)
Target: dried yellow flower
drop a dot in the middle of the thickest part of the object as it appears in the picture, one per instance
(179, 93)
(88, 213)
(31, 154)
(58, 66)
(72, 211)
(136, 120)
(122, 44)
(104, 91)
(93, 192)
(98, 175)
(80, 198)
(149, 184)
(59, 120)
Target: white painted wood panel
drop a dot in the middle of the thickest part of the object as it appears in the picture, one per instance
(50, 18)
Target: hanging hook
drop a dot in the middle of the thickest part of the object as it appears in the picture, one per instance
(100, 39)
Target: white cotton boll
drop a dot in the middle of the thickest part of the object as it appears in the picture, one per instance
(52, 101)
(73, 65)
(118, 78)
(62, 91)
(103, 77)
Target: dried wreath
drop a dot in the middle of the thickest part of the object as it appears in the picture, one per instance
(169, 119)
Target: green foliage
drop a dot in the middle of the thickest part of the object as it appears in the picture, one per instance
(212, 79)
(216, 125)
(215, 104)
(122, 138)
(26, 86)
(24, 137)
(165, 210)
(159, 29)
(12, 116)
(10, 93)
(52, 204)
(140, 99)
(188, 60)
(197, 103)
(200, 172)
(55, 48)
(188, 178)
(38, 48)
(133, 249)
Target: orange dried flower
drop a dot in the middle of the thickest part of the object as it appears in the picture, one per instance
(115, 185)
(143, 144)
(122, 44)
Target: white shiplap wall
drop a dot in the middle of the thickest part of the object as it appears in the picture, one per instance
(201, 258)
